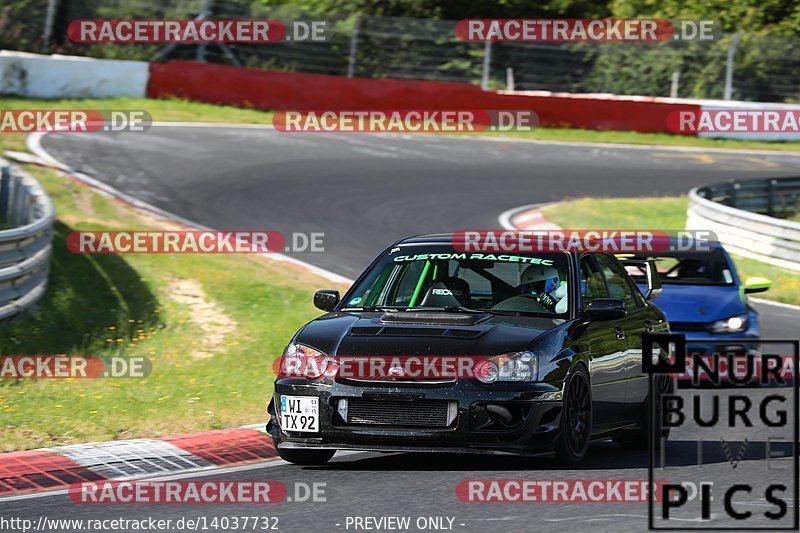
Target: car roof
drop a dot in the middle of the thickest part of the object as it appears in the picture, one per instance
(447, 237)
(428, 238)
(440, 238)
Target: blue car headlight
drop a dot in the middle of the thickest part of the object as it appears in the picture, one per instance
(734, 324)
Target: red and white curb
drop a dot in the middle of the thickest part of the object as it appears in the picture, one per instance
(529, 218)
(51, 468)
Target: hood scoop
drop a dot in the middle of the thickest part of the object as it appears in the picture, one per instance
(388, 331)
(435, 319)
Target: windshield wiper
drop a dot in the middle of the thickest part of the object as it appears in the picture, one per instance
(376, 308)
(448, 309)
(512, 313)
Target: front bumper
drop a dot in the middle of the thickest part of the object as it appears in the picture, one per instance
(705, 342)
(475, 428)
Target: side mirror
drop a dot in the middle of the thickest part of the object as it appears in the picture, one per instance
(651, 276)
(753, 285)
(606, 309)
(653, 281)
(326, 300)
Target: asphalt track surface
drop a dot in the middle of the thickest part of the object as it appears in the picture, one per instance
(364, 191)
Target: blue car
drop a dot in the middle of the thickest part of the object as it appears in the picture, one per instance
(703, 296)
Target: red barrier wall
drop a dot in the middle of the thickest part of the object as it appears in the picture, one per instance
(266, 89)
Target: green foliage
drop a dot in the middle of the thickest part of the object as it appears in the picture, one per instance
(455, 9)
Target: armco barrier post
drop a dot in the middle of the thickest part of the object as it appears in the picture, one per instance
(351, 60)
(205, 14)
(487, 65)
(733, 196)
(49, 21)
(5, 185)
(673, 87)
(771, 197)
(729, 66)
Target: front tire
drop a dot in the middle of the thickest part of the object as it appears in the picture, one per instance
(573, 439)
(305, 457)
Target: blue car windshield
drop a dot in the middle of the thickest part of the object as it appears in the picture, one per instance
(688, 268)
(437, 277)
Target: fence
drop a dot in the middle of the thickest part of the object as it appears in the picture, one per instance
(748, 217)
(762, 67)
(27, 215)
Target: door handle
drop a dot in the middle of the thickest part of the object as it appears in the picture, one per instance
(648, 326)
(620, 332)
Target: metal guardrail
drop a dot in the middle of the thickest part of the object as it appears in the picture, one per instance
(748, 218)
(27, 214)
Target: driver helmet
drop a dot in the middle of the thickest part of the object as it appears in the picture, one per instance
(537, 279)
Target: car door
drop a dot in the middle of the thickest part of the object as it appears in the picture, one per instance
(638, 320)
(606, 353)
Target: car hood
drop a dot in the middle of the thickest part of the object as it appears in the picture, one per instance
(700, 303)
(366, 334)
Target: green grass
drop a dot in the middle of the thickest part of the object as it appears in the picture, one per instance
(165, 110)
(183, 110)
(127, 305)
(666, 213)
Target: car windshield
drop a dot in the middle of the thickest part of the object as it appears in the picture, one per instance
(436, 277)
(688, 268)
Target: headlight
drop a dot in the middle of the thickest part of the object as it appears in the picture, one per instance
(300, 361)
(733, 324)
(514, 366)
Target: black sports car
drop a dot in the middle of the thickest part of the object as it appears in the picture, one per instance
(434, 349)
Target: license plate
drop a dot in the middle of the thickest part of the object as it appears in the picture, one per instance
(300, 413)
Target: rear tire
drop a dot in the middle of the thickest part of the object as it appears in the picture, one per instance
(573, 438)
(305, 457)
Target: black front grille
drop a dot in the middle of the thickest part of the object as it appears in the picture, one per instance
(418, 413)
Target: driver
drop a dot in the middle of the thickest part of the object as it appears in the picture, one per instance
(543, 285)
